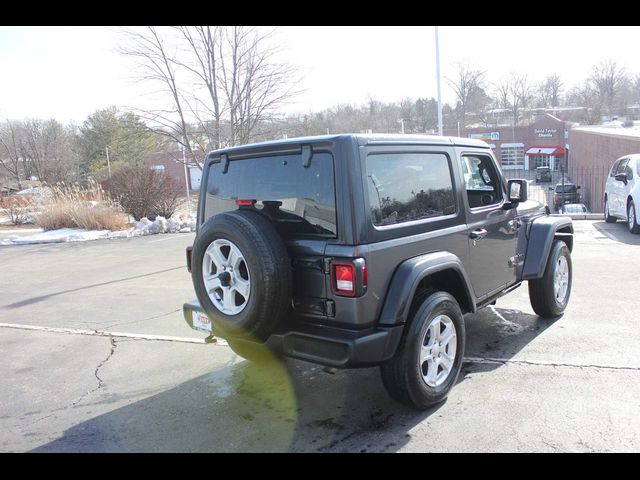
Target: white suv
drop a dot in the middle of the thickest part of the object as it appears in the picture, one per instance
(622, 192)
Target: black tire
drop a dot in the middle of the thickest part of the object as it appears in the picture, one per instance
(541, 291)
(608, 218)
(632, 223)
(402, 375)
(270, 273)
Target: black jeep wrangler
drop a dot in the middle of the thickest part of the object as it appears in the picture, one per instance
(363, 250)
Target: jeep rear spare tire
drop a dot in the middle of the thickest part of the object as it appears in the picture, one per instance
(242, 275)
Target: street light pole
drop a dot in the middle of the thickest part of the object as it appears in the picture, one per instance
(186, 179)
(438, 75)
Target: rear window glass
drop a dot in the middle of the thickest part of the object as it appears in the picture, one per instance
(301, 200)
(409, 186)
(567, 189)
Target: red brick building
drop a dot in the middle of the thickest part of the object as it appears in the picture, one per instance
(524, 147)
(593, 151)
(172, 163)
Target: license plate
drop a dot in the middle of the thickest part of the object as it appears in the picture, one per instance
(201, 321)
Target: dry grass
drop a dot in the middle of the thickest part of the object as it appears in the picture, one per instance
(74, 206)
(18, 209)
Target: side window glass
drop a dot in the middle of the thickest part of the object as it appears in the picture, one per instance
(481, 180)
(629, 171)
(622, 166)
(614, 168)
(409, 186)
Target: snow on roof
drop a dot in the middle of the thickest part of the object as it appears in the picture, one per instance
(612, 130)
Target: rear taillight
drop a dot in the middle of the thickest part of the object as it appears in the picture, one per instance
(348, 278)
(345, 279)
(189, 255)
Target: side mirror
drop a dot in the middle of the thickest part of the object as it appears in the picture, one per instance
(578, 187)
(550, 188)
(621, 177)
(517, 191)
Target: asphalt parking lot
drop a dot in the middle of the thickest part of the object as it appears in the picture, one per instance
(96, 357)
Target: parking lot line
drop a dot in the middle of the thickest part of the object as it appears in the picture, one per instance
(104, 333)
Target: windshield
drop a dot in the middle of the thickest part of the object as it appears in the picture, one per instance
(301, 200)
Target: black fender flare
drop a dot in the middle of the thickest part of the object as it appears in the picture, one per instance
(408, 275)
(542, 232)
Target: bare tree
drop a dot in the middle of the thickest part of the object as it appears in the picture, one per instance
(10, 154)
(467, 85)
(47, 151)
(585, 96)
(502, 92)
(225, 83)
(521, 94)
(158, 66)
(548, 92)
(608, 81)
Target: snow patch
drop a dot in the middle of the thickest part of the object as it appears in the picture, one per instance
(179, 223)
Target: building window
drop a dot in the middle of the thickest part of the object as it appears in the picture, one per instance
(512, 155)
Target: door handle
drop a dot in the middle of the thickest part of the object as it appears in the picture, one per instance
(478, 234)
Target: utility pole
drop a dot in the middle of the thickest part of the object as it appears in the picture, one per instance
(438, 75)
(108, 161)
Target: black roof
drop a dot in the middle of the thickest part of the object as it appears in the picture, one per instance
(362, 139)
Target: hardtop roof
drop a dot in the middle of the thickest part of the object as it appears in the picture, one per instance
(362, 139)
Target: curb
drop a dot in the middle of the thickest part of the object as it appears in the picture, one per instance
(581, 216)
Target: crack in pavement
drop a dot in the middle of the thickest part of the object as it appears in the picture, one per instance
(540, 363)
(84, 395)
(95, 373)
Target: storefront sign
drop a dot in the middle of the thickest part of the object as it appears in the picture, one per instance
(487, 136)
(545, 132)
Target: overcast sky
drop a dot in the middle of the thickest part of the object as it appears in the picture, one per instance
(68, 72)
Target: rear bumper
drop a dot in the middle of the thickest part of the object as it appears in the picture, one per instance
(333, 347)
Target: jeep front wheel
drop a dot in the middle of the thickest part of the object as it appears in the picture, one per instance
(549, 295)
(430, 354)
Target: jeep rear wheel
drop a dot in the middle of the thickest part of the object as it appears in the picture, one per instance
(430, 354)
(549, 295)
(242, 275)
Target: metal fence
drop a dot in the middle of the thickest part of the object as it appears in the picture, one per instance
(591, 181)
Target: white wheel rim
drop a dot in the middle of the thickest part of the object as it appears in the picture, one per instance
(438, 351)
(561, 280)
(226, 276)
(632, 216)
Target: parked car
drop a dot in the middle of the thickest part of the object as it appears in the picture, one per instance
(622, 192)
(367, 250)
(565, 193)
(543, 175)
(575, 208)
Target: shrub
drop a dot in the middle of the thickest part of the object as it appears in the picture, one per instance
(142, 191)
(17, 208)
(74, 206)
